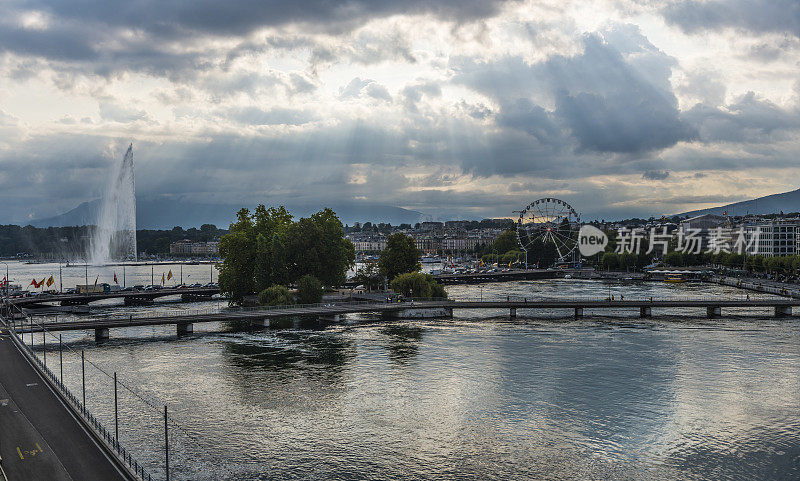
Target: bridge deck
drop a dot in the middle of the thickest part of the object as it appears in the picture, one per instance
(347, 308)
(99, 296)
(39, 437)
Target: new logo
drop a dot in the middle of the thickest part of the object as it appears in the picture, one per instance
(591, 240)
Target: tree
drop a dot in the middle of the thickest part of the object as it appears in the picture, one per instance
(266, 248)
(316, 245)
(609, 261)
(507, 241)
(418, 285)
(674, 259)
(369, 275)
(400, 256)
(239, 251)
(275, 296)
(268, 224)
(309, 290)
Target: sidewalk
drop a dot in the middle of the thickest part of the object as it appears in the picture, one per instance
(39, 437)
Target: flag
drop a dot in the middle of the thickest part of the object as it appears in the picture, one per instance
(34, 283)
(50, 281)
(169, 274)
(115, 278)
(96, 279)
(4, 283)
(41, 283)
(162, 279)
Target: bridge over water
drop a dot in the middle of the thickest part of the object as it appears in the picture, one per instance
(261, 316)
(130, 297)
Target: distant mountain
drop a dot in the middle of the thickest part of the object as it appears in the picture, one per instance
(166, 214)
(771, 204)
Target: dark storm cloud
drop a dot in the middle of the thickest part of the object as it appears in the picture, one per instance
(607, 102)
(77, 29)
(241, 16)
(755, 15)
(747, 120)
(525, 116)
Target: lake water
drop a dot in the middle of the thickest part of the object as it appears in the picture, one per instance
(478, 397)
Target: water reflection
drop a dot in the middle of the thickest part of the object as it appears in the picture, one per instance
(402, 342)
(479, 397)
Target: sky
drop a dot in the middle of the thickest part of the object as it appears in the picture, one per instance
(454, 108)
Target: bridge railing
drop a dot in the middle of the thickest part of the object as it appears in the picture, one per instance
(337, 305)
(79, 405)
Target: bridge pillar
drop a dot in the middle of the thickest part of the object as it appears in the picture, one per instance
(185, 328)
(783, 311)
(513, 312)
(645, 311)
(578, 312)
(259, 323)
(101, 334)
(713, 311)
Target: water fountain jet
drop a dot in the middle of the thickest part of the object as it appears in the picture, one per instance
(114, 237)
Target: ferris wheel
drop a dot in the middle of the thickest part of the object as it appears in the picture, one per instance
(549, 221)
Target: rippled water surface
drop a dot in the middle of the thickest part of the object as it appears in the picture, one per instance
(478, 397)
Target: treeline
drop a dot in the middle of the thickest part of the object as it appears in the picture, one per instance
(156, 242)
(50, 242)
(267, 248)
(73, 242)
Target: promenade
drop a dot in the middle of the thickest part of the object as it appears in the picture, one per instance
(40, 439)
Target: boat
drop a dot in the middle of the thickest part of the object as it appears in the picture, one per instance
(675, 280)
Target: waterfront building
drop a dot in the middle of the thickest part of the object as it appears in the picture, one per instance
(775, 238)
(187, 247)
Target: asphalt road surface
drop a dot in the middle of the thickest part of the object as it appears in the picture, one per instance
(39, 437)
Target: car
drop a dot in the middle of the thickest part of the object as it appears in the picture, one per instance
(138, 287)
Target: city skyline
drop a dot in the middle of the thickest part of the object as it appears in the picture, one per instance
(469, 110)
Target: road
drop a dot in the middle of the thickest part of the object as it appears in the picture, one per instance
(39, 437)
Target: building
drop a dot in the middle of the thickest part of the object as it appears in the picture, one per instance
(187, 247)
(777, 238)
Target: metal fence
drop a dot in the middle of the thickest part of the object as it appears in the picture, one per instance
(111, 438)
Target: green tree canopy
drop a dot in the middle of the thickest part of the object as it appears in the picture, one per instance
(238, 248)
(267, 248)
(275, 296)
(316, 245)
(400, 256)
(309, 290)
(418, 285)
(609, 261)
(674, 259)
(507, 241)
